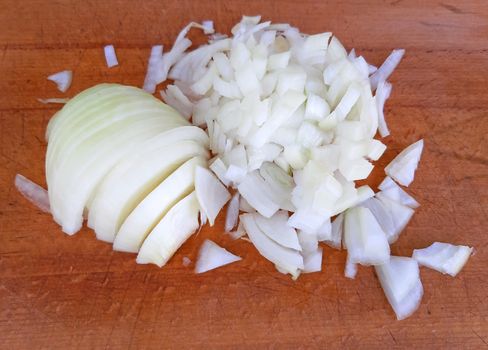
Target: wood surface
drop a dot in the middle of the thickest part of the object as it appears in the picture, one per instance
(61, 292)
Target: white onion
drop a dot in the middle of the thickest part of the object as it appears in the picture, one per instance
(171, 232)
(382, 94)
(62, 79)
(402, 168)
(277, 229)
(286, 259)
(390, 189)
(110, 56)
(312, 261)
(53, 100)
(212, 256)
(401, 283)
(155, 205)
(443, 257)
(211, 194)
(232, 214)
(386, 68)
(365, 240)
(400, 215)
(257, 193)
(351, 269)
(33, 192)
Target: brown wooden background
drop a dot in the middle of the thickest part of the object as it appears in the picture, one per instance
(60, 292)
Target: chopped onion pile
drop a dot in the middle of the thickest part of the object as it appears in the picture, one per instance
(290, 120)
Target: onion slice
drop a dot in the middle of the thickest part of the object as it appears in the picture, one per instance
(402, 168)
(211, 194)
(401, 283)
(232, 215)
(312, 261)
(390, 189)
(62, 79)
(110, 56)
(171, 232)
(33, 192)
(386, 68)
(277, 229)
(443, 257)
(212, 256)
(365, 240)
(287, 260)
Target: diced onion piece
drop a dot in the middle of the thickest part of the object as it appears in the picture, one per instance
(390, 189)
(384, 217)
(312, 261)
(212, 256)
(400, 214)
(110, 56)
(402, 168)
(33, 192)
(232, 214)
(220, 169)
(154, 69)
(208, 27)
(382, 94)
(176, 99)
(307, 220)
(53, 100)
(317, 108)
(152, 209)
(355, 169)
(401, 283)
(186, 261)
(288, 260)
(347, 102)
(337, 227)
(211, 194)
(351, 269)
(257, 193)
(308, 241)
(443, 257)
(365, 240)
(386, 68)
(239, 232)
(171, 232)
(375, 149)
(62, 79)
(278, 230)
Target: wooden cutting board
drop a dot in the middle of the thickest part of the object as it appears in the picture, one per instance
(61, 292)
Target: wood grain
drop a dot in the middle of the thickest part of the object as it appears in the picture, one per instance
(60, 292)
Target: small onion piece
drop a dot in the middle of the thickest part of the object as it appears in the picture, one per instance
(386, 68)
(312, 261)
(277, 229)
(443, 257)
(110, 56)
(33, 192)
(402, 168)
(232, 215)
(351, 269)
(62, 79)
(400, 280)
(211, 194)
(212, 256)
(53, 100)
(390, 189)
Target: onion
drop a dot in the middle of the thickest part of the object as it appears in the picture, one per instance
(400, 215)
(288, 260)
(277, 229)
(365, 240)
(386, 68)
(212, 256)
(110, 56)
(401, 283)
(211, 194)
(171, 232)
(336, 232)
(390, 189)
(53, 100)
(443, 257)
(155, 205)
(402, 168)
(256, 192)
(312, 261)
(33, 192)
(232, 215)
(351, 269)
(382, 94)
(62, 79)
